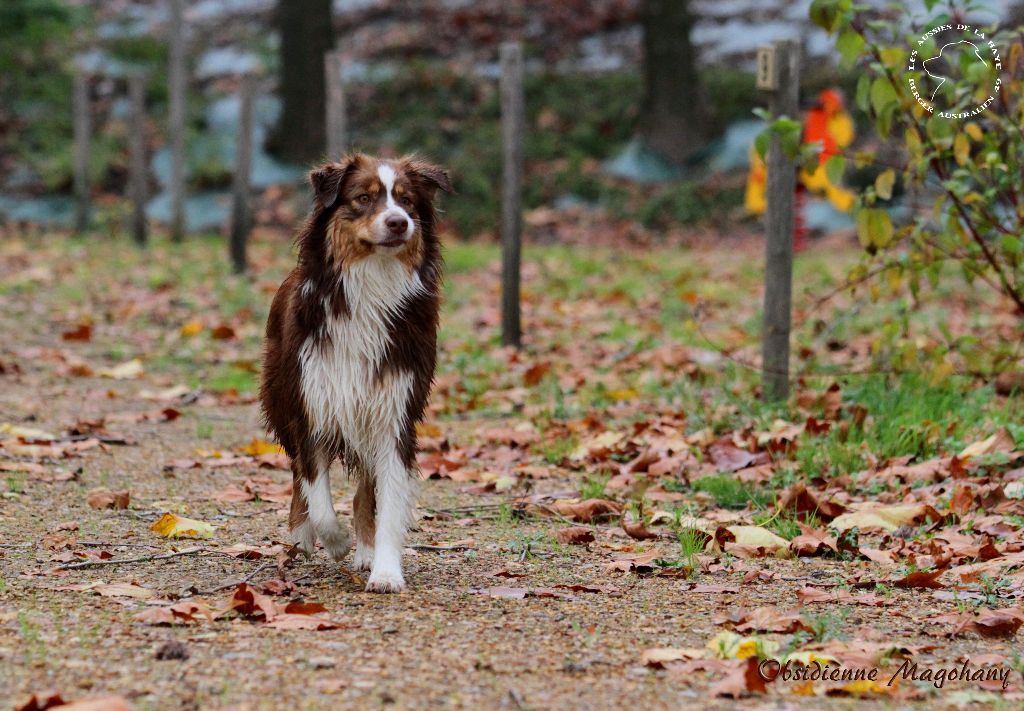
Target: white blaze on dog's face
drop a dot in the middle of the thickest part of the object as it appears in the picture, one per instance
(377, 205)
(393, 225)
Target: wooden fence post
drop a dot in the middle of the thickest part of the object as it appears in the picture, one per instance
(241, 211)
(336, 118)
(778, 275)
(137, 171)
(176, 119)
(82, 126)
(513, 121)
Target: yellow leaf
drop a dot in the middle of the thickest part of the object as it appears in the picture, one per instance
(874, 227)
(27, 433)
(428, 429)
(729, 645)
(175, 526)
(973, 130)
(125, 371)
(887, 518)
(1001, 441)
(862, 687)
(961, 149)
(758, 536)
(884, 183)
(623, 394)
(191, 328)
(258, 447)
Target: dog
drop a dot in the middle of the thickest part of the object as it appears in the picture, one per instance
(351, 346)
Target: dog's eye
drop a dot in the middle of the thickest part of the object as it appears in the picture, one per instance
(363, 199)
(404, 201)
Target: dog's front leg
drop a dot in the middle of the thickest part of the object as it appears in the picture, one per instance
(393, 489)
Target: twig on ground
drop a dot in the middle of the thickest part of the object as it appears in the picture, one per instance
(16, 545)
(425, 547)
(248, 578)
(124, 561)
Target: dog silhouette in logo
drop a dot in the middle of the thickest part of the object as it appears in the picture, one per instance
(945, 64)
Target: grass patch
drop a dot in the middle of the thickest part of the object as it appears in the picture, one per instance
(731, 493)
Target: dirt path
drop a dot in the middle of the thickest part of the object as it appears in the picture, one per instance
(505, 614)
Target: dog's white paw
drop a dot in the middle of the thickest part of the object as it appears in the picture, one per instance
(385, 581)
(337, 542)
(304, 539)
(364, 557)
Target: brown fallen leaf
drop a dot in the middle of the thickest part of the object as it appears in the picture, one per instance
(289, 621)
(182, 612)
(920, 579)
(1001, 441)
(82, 332)
(638, 531)
(124, 590)
(809, 595)
(40, 701)
(639, 562)
(574, 535)
(588, 511)
(106, 499)
(1003, 622)
(799, 499)
(659, 657)
(770, 619)
(742, 679)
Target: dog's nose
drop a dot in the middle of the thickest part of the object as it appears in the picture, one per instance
(396, 224)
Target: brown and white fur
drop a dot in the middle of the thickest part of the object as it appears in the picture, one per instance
(350, 354)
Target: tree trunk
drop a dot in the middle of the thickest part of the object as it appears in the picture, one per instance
(306, 34)
(674, 117)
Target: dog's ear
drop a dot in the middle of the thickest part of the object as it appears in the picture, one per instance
(328, 179)
(427, 174)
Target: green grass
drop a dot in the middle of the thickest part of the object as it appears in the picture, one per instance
(731, 493)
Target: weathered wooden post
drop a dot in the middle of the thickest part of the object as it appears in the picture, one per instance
(137, 172)
(779, 74)
(336, 119)
(241, 211)
(82, 128)
(176, 120)
(513, 119)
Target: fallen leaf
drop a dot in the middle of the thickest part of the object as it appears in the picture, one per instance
(257, 447)
(106, 499)
(124, 590)
(1003, 622)
(82, 332)
(40, 701)
(658, 657)
(125, 371)
(588, 511)
(886, 518)
(289, 621)
(174, 526)
(1001, 441)
(920, 579)
(574, 535)
(742, 679)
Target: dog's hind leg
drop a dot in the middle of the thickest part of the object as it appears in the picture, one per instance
(316, 489)
(364, 511)
(300, 527)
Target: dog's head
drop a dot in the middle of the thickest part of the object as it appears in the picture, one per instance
(376, 206)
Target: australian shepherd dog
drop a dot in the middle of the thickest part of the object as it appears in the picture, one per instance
(350, 352)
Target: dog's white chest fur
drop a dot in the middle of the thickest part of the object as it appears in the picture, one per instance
(342, 392)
